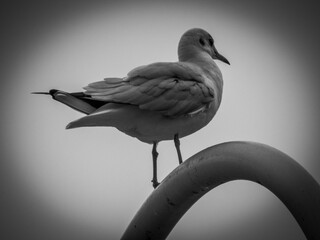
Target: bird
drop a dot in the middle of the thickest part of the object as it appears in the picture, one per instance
(156, 102)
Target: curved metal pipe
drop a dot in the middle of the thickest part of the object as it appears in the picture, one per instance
(219, 164)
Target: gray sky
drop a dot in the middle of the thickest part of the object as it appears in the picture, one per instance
(88, 183)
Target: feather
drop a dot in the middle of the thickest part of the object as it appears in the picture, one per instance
(158, 105)
(114, 81)
(73, 102)
(170, 88)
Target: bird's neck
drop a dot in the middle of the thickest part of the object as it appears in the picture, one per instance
(205, 62)
(187, 53)
(200, 58)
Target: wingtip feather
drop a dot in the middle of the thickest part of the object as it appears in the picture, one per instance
(51, 92)
(43, 93)
(70, 126)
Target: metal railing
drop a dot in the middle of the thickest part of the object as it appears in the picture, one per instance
(219, 164)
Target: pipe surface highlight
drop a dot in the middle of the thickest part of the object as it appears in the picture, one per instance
(219, 164)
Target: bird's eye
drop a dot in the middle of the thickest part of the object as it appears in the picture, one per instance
(211, 42)
(201, 41)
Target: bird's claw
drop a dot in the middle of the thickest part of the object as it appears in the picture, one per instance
(155, 183)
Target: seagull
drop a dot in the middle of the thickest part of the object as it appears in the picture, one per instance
(156, 102)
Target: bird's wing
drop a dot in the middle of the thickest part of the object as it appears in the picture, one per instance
(173, 89)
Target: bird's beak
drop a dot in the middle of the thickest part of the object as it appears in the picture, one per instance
(222, 58)
(217, 55)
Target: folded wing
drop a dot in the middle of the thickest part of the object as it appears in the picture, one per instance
(174, 89)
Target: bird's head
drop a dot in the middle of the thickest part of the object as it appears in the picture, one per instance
(196, 42)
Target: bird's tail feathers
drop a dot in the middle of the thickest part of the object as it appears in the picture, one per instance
(104, 116)
(69, 100)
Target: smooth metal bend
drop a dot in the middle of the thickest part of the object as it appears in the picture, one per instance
(219, 164)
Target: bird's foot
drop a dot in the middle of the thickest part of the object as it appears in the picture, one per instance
(155, 183)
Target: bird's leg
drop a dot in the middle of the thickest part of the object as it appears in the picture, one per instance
(155, 154)
(177, 144)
